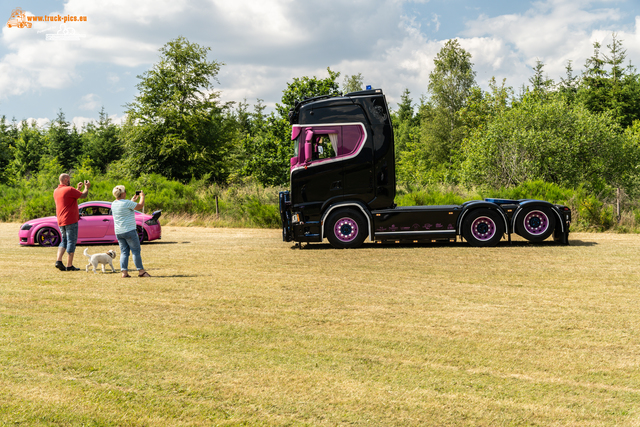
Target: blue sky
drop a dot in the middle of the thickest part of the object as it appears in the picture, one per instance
(266, 43)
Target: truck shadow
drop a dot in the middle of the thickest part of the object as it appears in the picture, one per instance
(520, 243)
(459, 244)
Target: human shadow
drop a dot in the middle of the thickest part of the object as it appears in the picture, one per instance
(174, 276)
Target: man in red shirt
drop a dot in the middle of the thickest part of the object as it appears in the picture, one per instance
(66, 198)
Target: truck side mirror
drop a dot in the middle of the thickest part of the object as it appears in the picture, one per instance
(308, 146)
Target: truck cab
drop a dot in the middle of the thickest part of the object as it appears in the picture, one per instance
(342, 186)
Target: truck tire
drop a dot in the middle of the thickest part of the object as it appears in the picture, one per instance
(346, 228)
(535, 223)
(483, 227)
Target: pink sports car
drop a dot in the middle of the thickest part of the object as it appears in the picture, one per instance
(95, 226)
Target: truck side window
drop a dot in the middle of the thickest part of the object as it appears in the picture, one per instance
(324, 148)
(352, 137)
(333, 141)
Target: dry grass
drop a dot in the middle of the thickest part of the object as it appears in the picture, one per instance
(238, 328)
(202, 220)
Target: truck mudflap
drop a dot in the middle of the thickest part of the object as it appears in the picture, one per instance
(561, 234)
(285, 216)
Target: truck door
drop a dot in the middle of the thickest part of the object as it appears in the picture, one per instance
(357, 171)
(316, 176)
(332, 163)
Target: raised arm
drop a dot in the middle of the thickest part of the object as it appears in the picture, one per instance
(140, 204)
(85, 193)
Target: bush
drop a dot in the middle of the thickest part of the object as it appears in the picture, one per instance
(249, 204)
(246, 204)
(589, 212)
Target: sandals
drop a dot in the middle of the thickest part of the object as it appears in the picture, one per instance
(145, 274)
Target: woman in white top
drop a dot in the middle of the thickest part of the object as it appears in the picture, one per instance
(124, 225)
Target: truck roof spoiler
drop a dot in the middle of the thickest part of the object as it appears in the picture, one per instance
(365, 92)
(297, 104)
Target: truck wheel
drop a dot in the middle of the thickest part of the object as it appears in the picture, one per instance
(483, 227)
(535, 224)
(346, 229)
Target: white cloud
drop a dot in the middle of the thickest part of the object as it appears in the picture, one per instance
(118, 119)
(553, 31)
(436, 21)
(35, 62)
(113, 78)
(80, 122)
(266, 43)
(90, 102)
(41, 122)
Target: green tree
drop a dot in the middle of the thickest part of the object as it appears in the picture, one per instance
(452, 80)
(569, 85)
(64, 142)
(6, 147)
(483, 106)
(405, 108)
(450, 85)
(430, 154)
(406, 132)
(353, 83)
(268, 147)
(176, 125)
(541, 84)
(307, 87)
(101, 143)
(552, 141)
(267, 152)
(607, 86)
(29, 150)
(404, 122)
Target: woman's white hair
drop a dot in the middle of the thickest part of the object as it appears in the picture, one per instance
(118, 191)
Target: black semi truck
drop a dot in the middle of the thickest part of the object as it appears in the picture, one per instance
(343, 186)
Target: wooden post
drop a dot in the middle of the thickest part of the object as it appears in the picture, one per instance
(618, 204)
(217, 211)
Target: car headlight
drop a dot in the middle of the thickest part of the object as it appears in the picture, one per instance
(26, 227)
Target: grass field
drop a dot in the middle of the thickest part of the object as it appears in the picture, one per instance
(238, 328)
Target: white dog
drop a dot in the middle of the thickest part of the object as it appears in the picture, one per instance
(103, 259)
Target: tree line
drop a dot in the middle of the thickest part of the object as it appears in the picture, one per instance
(581, 131)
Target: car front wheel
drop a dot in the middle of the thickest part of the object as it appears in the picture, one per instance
(48, 236)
